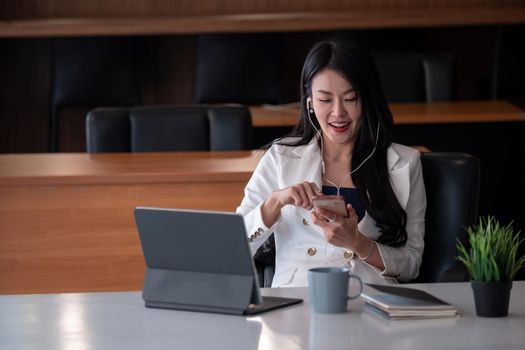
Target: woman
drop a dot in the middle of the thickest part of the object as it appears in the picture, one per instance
(341, 145)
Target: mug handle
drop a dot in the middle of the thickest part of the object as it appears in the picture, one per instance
(350, 297)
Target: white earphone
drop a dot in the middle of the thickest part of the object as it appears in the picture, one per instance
(309, 111)
(309, 105)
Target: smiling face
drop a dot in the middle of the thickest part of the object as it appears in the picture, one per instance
(336, 106)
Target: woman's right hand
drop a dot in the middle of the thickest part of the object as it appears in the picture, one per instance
(299, 195)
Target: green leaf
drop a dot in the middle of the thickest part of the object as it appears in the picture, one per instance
(492, 251)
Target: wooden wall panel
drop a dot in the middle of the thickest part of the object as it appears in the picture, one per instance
(33, 9)
(25, 71)
(48, 18)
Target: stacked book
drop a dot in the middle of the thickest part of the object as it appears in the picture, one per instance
(406, 303)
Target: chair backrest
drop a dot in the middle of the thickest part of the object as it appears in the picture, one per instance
(168, 128)
(91, 72)
(452, 188)
(415, 77)
(238, 68)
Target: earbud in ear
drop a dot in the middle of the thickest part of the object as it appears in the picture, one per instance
(309, 105)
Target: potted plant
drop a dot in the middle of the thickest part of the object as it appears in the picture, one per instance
(492, 262)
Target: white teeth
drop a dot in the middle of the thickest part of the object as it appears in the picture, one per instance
(339, 125)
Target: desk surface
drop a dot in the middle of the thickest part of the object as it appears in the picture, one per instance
(411, 113)
(120, 321)
(104, 168)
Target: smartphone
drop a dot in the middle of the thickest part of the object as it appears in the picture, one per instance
(335, 204)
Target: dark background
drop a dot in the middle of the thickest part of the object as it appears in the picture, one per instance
(487, 64)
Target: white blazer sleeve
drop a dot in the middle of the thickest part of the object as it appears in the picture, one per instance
(262, 183)
(403, 262)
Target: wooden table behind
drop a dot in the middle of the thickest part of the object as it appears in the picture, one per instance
(410, 113)
(66, 220)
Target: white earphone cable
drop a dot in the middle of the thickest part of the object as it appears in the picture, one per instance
(309, 109)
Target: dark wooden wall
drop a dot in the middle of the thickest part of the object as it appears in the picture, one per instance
(168, 68)
(469, 30)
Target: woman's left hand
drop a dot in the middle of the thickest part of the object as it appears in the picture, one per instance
(338, 230)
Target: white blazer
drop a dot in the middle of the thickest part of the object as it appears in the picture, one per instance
(300, 244)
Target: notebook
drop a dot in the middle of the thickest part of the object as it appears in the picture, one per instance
(200, 261)
(406, 303)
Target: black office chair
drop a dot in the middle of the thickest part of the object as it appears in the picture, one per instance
(415, 77)
(238, 68)
(91, 72)
(452, 189)
(509, 73)
(168, 128)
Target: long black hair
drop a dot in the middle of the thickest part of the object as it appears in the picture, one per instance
(372, 179)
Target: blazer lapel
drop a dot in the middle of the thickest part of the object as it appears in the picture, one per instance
(399, 176)
(301, 164)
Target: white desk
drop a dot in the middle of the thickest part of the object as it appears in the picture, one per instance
(87, 321)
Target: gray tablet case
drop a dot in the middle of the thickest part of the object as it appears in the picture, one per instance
(198, 261)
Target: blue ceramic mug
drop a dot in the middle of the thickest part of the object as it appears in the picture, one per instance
(328, 289)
